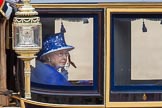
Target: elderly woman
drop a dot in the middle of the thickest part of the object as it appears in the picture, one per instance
(50, 68)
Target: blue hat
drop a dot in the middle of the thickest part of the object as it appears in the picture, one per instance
(54, 43)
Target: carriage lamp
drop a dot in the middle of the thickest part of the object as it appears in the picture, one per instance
(27, 41)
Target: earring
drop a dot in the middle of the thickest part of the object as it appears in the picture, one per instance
(49, 60)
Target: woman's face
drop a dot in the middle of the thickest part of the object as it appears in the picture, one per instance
(59, 58)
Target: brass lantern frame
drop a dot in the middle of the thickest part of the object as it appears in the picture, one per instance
(27, 38)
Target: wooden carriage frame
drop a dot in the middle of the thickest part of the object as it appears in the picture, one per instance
(108, 8)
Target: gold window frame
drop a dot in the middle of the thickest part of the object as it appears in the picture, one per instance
(149, 8)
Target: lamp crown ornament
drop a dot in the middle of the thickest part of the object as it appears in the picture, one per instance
(26, 14)
(26, 9)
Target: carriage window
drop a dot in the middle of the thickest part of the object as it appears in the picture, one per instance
(136, 53)
(77, 38)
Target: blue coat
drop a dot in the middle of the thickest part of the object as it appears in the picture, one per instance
(46, 74)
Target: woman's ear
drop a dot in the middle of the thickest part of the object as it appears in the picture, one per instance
(48, 59)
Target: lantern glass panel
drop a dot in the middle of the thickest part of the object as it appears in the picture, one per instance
(27, 36)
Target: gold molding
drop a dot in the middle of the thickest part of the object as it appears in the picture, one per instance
(23, 101)
(102, 5)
